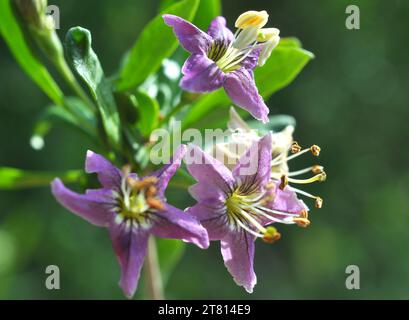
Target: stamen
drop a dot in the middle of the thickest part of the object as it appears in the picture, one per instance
(314, 169)
(286, 220)
(317, 169)
(318, 202)
(242, 225)
(284, 182)
(155, 203)
(253, 221)
(141, 184)
(246, 37)
(267, 50)
(304, 214)
(252, 18)
(295, 147)
(318, 177)
(315, 150)
(302, 222)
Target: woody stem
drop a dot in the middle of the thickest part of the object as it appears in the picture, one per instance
(152, 271)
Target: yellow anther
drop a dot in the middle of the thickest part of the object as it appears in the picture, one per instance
(302, 222)
(141, 184)
(267, 34)
(295, 147)
(252, 19)
(151, 191)
(318, 202)
(317, 169)
(304, 214)
(284, 182)
(322, 176)
(315, 150)
(271, 235)
(155, 203)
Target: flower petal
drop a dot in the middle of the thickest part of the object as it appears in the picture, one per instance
(175, 224)
(196, 63)
(213, 219)
(254, 165)
(286, 201)
(190, 37)
(94, 206)
(202, 193)
(238, 255)
(218, 31)
(130, 245)
(252, 59)
(209, 171)
(108, 174)
(241, 88)
(166, 172)
(205, 78)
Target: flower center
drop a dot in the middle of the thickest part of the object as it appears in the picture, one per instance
(246, 208)
(229, 56)
(249, 37)
(137, 201)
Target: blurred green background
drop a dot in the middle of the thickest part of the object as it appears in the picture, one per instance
(351, 100)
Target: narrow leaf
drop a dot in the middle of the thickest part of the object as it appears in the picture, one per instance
(14, 37)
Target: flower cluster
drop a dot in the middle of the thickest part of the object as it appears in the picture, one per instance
(234, 205)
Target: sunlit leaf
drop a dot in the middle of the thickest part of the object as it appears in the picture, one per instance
(208, 9)
(155, 43)
(14, 37)
(88, 67)
(148, 111)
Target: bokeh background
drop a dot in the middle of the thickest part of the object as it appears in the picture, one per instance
(352, 100)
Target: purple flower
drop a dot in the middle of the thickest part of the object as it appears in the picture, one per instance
(221, 59)
(236, 208)
(132, 209)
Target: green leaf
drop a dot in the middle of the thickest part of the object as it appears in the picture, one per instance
(148, 111)
(12, 178)
(286, 61)
(86, 63)
(169, 253)
(14, 37)
(207, 11)
(155, 43)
